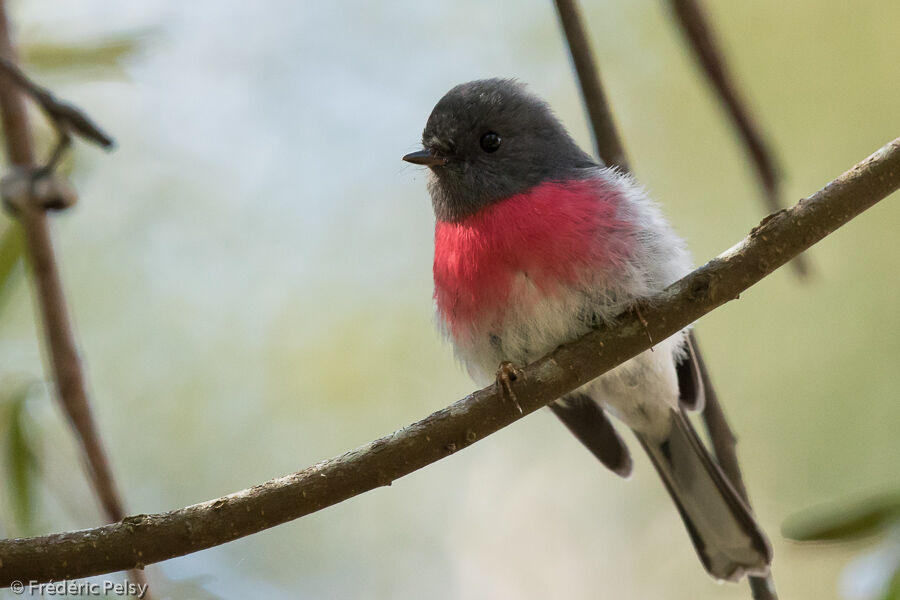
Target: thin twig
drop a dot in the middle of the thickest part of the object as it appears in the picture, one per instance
(693, 22)
(146, 539)
(67, 372)
(724, 444)
(692, 19)
(66, 116)
(611, 151)
(60, 340)
(67, 119)
(606, 138)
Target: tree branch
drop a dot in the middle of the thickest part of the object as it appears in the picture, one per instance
(145, 539)
(60, 340)
(61, 344)
(691, 18)
(606, 138)
(721, 436)
(64, 116)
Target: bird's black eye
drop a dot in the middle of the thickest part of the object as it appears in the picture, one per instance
(490, 142)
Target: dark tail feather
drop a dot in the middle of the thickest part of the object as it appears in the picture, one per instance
(691, 394)
(724, 532)
(586, 421)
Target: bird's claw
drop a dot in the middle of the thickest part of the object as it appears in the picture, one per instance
(506, 374)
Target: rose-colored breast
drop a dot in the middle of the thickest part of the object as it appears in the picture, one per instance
(549, 234)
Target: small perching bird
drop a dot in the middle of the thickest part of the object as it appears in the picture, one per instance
(536, 244)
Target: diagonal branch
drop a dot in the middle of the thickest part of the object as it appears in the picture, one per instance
(692, 19)
(145, 539)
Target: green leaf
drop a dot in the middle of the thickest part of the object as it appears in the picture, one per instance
(843, 521)
(893, 589)
(104, 54)
(12, 246)
(21, 462)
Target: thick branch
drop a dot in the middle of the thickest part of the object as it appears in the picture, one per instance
(690, 16)
(67, 373)
(145, 539)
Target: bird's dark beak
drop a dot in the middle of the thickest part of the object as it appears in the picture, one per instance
(425, 157)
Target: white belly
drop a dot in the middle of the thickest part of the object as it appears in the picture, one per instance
(640, 392)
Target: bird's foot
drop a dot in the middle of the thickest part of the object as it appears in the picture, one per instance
(506, 374)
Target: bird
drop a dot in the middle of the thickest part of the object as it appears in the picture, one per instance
(536, 244)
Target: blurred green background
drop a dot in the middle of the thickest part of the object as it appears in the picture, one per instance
(249, 273)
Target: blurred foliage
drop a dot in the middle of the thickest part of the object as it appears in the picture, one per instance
(844, 521)
(19, 455)
(107, 55)
(847, 521)
(893, 589)
(11, 248)
(17, 437)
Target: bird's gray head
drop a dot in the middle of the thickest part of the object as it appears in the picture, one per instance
(490, 139)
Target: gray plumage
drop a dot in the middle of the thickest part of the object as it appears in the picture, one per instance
(454, 130)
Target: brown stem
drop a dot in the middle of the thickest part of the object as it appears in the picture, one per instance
(145, 539)
(721, 436)
(66, 366)
(606, 138)
(60, 340)
(691, 17)
(65, 117)
(610, 148)
(724, 444)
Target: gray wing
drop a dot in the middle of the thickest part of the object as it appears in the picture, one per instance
(587, 422)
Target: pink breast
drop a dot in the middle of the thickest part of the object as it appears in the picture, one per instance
(551, 234)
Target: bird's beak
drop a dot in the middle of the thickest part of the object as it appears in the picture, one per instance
(425, 157)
